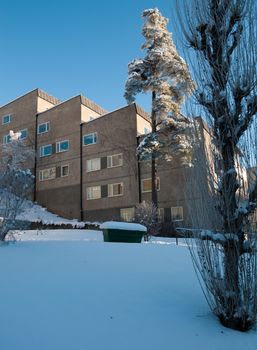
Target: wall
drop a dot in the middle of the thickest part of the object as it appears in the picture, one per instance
(116, 134)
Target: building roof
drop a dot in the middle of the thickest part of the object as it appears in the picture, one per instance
(48, 97)
(39, 93)
(142, 113)
(92, 105)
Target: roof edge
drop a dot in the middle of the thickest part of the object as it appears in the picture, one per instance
(47, 97)
(92, 105)
(142, 112)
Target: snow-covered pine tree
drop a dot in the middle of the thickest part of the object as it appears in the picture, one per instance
(16, 182)
(223, 35)
(165, 75)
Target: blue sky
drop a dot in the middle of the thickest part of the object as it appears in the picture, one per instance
(71, 47)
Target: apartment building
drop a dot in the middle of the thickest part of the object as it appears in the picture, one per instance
(86, 165)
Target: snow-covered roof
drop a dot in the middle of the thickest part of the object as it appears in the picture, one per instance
(123, 226)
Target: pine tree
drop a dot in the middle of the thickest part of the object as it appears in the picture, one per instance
(165, 75)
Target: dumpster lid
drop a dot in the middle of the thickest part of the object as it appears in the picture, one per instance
(123, 226)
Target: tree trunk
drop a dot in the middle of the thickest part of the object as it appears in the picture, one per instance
(154, 177)
(232, 226)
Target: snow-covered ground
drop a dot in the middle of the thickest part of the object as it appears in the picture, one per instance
(76, 295)
(57, 235)
(35, 213)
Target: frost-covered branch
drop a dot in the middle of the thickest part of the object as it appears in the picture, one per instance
(16, 182)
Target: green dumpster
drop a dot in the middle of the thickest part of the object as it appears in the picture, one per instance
(114, 231)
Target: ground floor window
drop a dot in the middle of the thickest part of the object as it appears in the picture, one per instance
(127, 214)
(161, 214)
(177, 213)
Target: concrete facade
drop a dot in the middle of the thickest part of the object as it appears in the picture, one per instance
(86, 165)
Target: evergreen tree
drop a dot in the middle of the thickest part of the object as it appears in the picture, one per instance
(165, 75)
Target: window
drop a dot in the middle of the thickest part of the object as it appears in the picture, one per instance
(114, 161)
(147, 185)
(94, 192)
(23, 134)
(93, 164)
(62, 146)
(64, 170)
(7, 139)
(45, 151)
(177, 213)
(6, 119)
(47, 174)
(161, 214)
(115, 190)
(42, 128)
(127, 214)
(90, 139)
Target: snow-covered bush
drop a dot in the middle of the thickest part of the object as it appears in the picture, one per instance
(146, 214)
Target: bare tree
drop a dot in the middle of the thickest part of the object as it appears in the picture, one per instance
(223, 34)
(16, 182)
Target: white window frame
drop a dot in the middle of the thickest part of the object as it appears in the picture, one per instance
(110, 189)
(94, 138)
(58, 148)
(47, 128)
(90, 161)
(110, 160)
(9, 119)
(41, 151)
(176, 220)
(64, 166)
(90, 192)
(7, 139)
(142, 185)
(23, 138)
(48, 179)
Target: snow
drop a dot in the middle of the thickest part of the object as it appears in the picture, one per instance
(80, 295)
(123, 226)
(35, 213)
(57, 235)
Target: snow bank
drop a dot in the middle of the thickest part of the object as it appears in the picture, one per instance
(123, 226)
